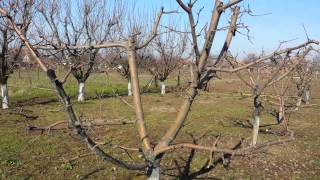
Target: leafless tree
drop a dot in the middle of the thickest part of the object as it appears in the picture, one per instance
(303, 78)
(90, 23)
(118, 60)
(153, 154)
(170, 48)
(266, 73)
(280, 100)
(5, 70)
(11, 46)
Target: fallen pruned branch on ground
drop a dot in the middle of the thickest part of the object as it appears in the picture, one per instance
(238, 152)
(21, 112)
(51, 127)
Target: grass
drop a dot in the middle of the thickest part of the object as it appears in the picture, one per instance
(35, 155)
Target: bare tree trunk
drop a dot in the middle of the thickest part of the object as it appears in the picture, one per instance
(281, 113)
(282, 119)
(154, 171)
(163, 87)
(255, 132)
(81, 92)
(129, 88)
(156, 82)
(5, 96)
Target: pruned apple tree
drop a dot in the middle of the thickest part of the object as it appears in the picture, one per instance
(264, 71)
(11, 47)
(153, 152)
(169, 48)
(86, 23)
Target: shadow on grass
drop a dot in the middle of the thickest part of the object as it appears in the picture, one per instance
(183, 168)
(184, 171)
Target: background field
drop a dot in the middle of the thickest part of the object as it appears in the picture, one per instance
(35, 155)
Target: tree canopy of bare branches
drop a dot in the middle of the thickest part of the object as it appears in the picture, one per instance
(75, 39)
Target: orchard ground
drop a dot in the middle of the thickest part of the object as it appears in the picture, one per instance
(53, 155)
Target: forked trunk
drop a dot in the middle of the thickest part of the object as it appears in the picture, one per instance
(163, 88)
(129, 88)
(81, 92)
(5, 96)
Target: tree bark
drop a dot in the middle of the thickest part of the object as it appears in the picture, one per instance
(81, 92)
(137, 100)
(156, 82)
(5, 96)
(282, 119)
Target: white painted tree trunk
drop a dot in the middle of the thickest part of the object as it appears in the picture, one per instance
(155, 174)
(129, 88)
(281, 114)
(307, 96)
(5, 96)
(163, 88)
(255, 132)
(298, 104)
(81, 92)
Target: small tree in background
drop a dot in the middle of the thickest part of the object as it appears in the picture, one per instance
(170, 48)
(11, 46)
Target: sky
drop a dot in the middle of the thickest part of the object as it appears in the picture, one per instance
(277, 20)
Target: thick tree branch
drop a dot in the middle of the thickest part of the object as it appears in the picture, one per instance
(154, 32)
(287, 50)
(136, 96)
